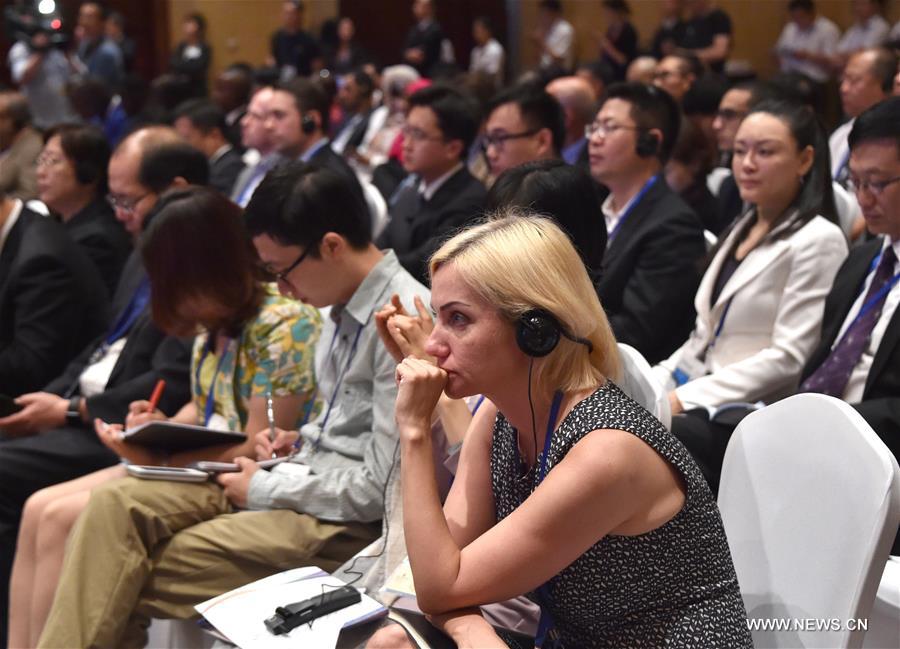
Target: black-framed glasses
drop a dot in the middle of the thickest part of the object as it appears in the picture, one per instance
(874, 187)
(497, 140)
(729, 114)
(662, 75)
(418, 135)
(281, 276)
(123, 204)
(606, 128)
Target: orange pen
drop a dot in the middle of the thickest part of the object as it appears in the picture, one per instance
(157, 393)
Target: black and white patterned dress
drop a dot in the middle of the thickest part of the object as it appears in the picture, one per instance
(674, 586)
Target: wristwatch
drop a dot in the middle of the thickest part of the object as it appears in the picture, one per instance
(73, 414)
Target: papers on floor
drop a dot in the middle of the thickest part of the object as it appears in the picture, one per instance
(239, 614)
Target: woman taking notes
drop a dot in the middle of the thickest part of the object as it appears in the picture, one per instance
(250, 343)
(760, 302)
(566, 488)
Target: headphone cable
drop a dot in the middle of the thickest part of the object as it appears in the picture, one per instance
(531, 406)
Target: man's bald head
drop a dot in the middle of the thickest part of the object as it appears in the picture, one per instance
(867, 79)
(641, 70)
(576, 96)
(144, 138)
(132, 200)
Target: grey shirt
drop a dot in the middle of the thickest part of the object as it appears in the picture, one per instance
(343, 466)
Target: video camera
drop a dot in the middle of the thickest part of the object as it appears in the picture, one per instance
(22, 22)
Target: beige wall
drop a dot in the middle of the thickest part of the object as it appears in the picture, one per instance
(239, 30)
(757, 24)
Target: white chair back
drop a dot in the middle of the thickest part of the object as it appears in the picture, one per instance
(640, 383)
(810, 500)
(378, 208)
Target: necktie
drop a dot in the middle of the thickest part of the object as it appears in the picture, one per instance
(832, 375)
(262, 168)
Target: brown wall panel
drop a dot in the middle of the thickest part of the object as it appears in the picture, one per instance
(239, 30)
(757, 24)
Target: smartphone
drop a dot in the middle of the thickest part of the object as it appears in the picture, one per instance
(8, 406)
(173, 473)
(230, 467)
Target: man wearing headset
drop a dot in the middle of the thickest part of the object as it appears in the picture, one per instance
(655, 242)
(298, 124)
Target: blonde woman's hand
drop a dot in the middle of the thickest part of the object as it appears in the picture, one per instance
(419, 386)
(382, 316)
(404, 334)
(410, 333)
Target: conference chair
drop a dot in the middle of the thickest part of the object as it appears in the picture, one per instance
(639, 383)
(810, 500)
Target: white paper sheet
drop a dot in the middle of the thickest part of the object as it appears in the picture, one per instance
(239, 614)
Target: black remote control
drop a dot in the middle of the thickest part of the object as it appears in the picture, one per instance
(291, 616)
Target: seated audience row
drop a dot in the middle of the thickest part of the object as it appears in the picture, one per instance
(575, 149)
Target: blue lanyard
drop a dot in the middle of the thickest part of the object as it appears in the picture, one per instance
(339, 380)
(721, 324)
(131, 313)
(126, 320)
(546, 623)
(627, 213)
(681, 377)
(211, 397)
(876, 299)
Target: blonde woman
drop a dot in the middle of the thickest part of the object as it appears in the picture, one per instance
(567, 489)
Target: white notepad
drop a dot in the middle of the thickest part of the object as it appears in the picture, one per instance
(239, 614)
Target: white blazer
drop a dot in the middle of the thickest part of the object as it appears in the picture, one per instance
(777, 298)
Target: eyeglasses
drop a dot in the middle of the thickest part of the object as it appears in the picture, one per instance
(123, 204)
(662, 75)
(729, 114)
(606, 128)
(46, 160)
(874, 187)
(418, 135)
(497, 140)
(281, 276)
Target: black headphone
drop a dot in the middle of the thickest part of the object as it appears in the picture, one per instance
(538, 333)
(87, 171)
(647, 144)
(308, 125)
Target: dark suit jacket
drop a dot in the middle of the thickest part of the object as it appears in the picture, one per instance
(103, 238)
(651, 271)
(224, 171)
(355, 138)
(880, 405)
(52, 303)
(429, 40)
(233, 130)
(326, 157)
(148, 355)
(417, 227)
